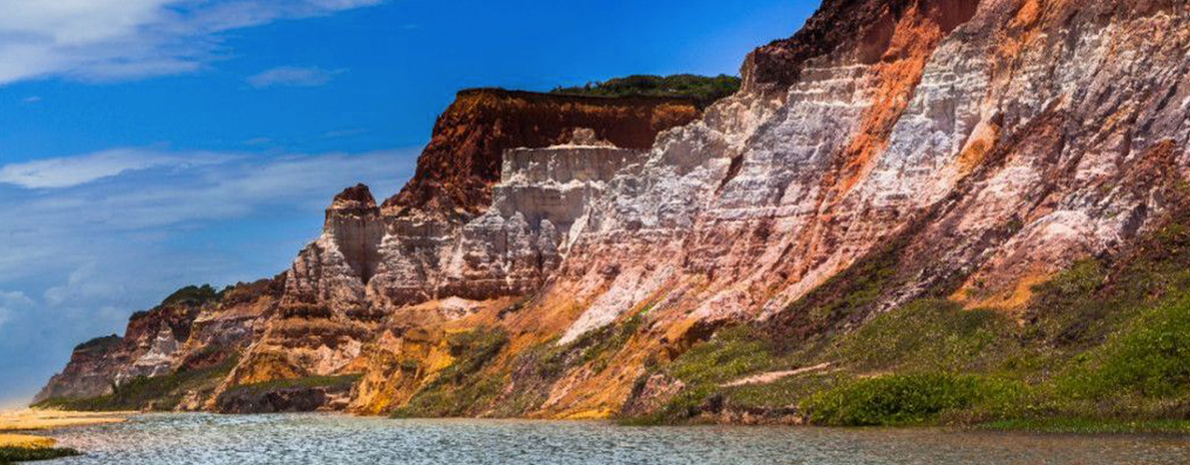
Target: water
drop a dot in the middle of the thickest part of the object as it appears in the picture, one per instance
(201, 439)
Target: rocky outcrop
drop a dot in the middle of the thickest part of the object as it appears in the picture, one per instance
(148, 348)
(194, 330)
(284, 399)
(89, 373)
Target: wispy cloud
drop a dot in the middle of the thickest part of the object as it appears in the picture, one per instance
(73, 171)
(124, 39)
(292, 76)
(118, 204)
(31, 99)
(10, 302)
(345, 133)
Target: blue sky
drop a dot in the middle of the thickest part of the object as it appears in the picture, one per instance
(150, 144)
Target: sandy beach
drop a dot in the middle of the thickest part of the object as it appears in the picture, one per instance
(39, 420)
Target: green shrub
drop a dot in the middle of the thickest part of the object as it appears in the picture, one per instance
(1150, 358)
(732, 353)
(19, 454)
(927, 334)
(897, 399)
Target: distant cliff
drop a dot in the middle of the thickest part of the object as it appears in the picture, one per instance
(913, 211)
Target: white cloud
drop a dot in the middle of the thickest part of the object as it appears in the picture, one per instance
(74, 171)
(292, 76)
(122, 39)
(85, 284)
(10, 302)
(32, 99)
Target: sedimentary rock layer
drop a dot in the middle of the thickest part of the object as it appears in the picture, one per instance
(457, 169)
(976, 147)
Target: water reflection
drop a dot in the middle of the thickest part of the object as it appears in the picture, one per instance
(202, 439)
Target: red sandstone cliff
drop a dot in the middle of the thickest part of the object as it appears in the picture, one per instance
(892, 152)
(462, 161)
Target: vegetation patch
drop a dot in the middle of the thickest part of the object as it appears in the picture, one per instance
(538, 368)
(899, 400)
(703, 369)
(703, 90)
(193, 296)
(101, 344)
(305, 394)
(160, 393)
(1148, 359)
(18, 454)
(928, 335)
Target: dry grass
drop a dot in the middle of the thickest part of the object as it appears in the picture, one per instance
(21, 441)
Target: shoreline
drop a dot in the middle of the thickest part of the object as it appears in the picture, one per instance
(43, 420)
(29, 421)
(18, 446)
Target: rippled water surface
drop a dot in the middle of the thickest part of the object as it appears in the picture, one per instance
(325, 439)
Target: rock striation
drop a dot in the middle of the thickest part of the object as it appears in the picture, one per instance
(552, 252)
(463, 160)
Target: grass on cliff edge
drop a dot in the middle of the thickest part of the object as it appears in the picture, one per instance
(703, 90)
(1105, 347)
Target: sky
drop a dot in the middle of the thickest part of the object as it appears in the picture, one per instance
(150, 144)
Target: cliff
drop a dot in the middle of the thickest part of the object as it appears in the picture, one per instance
(442, 237)
(983, 197)
(462, 161)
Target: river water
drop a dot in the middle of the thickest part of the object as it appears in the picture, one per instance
(202, 439)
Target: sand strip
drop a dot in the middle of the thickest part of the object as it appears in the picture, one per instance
(38, 420)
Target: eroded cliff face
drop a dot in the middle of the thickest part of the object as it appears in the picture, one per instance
(195, 330)
(891, 150)
(994, 143)
(442, 246)
(456, 171)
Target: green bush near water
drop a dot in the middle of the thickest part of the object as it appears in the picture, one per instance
(17, 454)
(899, 400)
(1149, 359)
